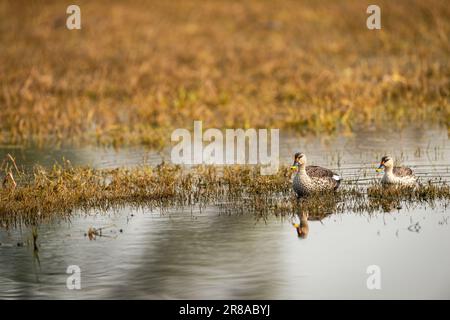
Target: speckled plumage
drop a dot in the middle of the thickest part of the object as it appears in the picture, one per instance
(309, 179)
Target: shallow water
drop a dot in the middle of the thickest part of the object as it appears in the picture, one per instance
(208, 254)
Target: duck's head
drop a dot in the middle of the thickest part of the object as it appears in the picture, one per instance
(386, 162)
(299, 160)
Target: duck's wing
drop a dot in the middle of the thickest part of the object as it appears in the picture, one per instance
(324, 174)
(319, 172)
(402, 171)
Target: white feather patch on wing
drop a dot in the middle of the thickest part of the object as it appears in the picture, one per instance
(336, 177)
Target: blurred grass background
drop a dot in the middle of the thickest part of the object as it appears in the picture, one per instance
(138, 69)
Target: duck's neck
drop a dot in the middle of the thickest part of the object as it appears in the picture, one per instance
(388, 171)
(302, 175)
(302, 170)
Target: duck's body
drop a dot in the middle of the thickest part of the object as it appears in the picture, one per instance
(311, 179)
(396, 175)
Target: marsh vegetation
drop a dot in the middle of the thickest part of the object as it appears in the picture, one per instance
(61, 189)
(137, 70)
(80, 110)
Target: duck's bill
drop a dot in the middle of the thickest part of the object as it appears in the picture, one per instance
(380, 168)
(294, 167)
(296, 225)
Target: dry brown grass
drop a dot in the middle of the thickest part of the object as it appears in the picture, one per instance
(138, 69)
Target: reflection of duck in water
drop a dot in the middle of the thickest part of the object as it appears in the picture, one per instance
(301, 225)
(395, 175)
(309, 179)
(310, 209)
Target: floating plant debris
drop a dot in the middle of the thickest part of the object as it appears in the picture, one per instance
(93, 232)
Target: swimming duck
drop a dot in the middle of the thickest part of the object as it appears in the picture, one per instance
(309, 179)
(395, 175)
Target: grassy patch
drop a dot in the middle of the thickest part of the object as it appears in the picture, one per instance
(58, 191)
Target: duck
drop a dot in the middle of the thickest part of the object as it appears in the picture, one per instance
(311, 179)
(395, 175)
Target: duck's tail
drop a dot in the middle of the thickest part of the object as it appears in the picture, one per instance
(338, 180)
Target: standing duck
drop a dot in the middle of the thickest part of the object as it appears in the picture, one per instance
(310, 179)
(395, 175)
